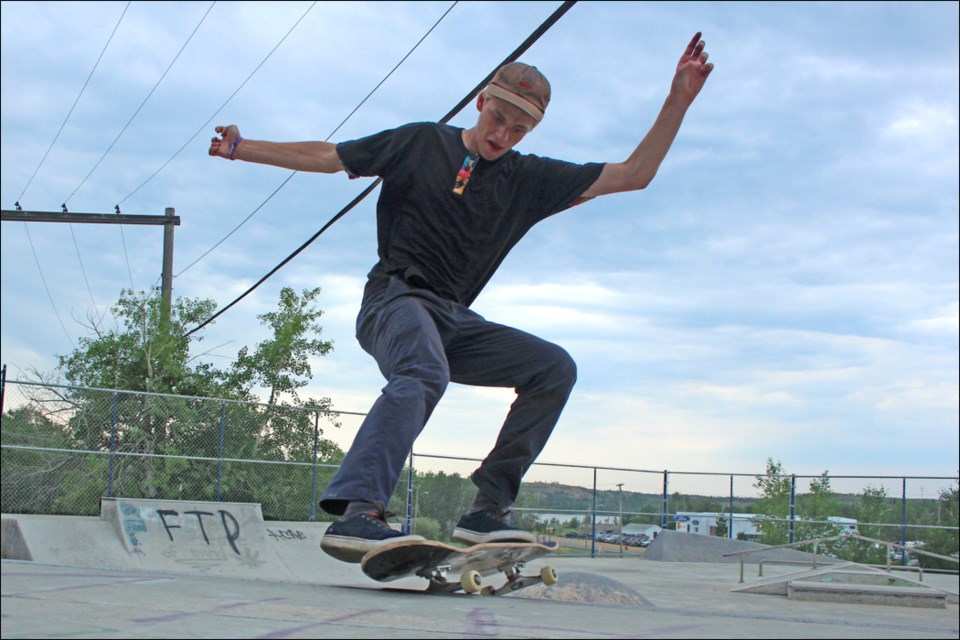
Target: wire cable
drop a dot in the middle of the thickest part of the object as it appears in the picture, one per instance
(526, 44)
(332, 133)
(44, 159)
(110, 148)
(45, 287)
(135, 113)
(126, 255)
(60, 130)
(83, 271)
(204, 126)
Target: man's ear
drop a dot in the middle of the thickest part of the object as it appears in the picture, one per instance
(480, 100)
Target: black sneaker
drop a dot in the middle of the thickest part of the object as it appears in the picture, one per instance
(487, 526)
(350, 539)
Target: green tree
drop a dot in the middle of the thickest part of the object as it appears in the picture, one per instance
(282, 364)
(31, 472)
(137, 355)
(875, 508)
(944, 539)
(812, 511)
(773, 505)
(142, 353)
(815, 509)
(439, 497)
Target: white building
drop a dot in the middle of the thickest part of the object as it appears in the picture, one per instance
(705, 523)
(638, 528)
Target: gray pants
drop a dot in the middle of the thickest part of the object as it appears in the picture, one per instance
(422, 342)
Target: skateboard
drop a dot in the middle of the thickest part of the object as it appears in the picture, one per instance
(434, 560)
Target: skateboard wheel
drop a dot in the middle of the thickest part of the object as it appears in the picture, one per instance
(470, 581)
(549, 576)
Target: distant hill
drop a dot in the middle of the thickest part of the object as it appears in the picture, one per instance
(547, 496)
(553, 495)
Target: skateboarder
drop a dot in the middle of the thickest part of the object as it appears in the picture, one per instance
(453, 203)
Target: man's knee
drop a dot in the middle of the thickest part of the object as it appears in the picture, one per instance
(567, 367)
(559, 367)
(422, 379)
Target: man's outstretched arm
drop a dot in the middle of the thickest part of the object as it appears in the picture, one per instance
(638, 170)
(318, 157)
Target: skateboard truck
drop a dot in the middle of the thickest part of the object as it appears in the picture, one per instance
(471, 581)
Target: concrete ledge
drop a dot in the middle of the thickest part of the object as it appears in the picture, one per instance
(865, 594)
(199, 538)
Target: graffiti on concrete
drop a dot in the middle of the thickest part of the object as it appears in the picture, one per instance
(286, 534)
(231, 530)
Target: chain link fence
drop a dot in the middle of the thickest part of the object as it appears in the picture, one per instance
(65, 447)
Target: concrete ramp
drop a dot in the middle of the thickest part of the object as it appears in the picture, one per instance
(226, 538)
(209, 538)
(677, 546)
(14, 544)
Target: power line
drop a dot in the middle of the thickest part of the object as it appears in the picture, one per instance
(83, 271)
(397, 66)
(67, 118)
(204, 126)
(126, 256)
(135, 113)
(45, 287)
(110, 148)
(331, 134)
(60, 130)
(44, 158)
(526, 44)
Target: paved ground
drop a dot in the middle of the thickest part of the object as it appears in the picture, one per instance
(678, 600)
(66, 590)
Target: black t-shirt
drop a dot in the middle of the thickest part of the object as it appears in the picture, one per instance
(453, 243)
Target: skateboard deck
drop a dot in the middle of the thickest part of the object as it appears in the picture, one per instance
(466, 566)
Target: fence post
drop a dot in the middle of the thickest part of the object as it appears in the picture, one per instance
(903, 523)
(793, 506)
(730, 527)
(223, 417)
(593, 526)
(113, 445)
(313, 485)
(408, 526)
(3, 389)
(665, 505)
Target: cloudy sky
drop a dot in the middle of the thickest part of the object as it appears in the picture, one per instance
(787, 287)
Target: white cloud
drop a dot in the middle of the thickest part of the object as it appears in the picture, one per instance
(946, 322)
(924, 123)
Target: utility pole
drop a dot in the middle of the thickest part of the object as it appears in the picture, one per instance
(168, 220)
(166, 276)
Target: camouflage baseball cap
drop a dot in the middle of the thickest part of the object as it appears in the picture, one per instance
(522, 86)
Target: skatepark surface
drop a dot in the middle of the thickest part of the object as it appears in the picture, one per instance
(157, 569)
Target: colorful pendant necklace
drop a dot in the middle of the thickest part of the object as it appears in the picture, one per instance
(463, 176)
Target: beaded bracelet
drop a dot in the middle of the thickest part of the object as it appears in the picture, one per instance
(233, 147)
